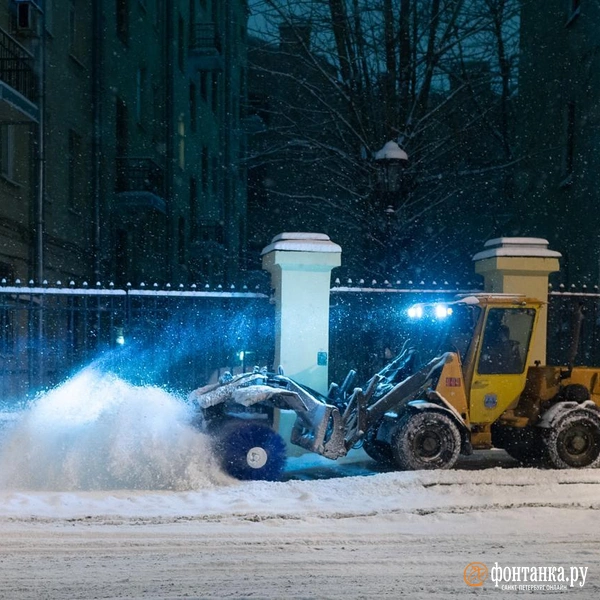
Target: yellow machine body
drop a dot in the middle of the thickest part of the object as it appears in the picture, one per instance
(493, 382)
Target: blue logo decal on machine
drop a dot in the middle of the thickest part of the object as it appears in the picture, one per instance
(490, 401)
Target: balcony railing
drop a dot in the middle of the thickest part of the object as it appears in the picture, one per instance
(16, 67)
(139, 175)
(204, 37)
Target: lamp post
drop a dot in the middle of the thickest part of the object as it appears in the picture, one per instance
(391, 160)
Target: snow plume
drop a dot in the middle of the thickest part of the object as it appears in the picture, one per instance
(98, 432)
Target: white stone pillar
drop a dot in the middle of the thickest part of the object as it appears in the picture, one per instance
(520, 266)
(300, 265)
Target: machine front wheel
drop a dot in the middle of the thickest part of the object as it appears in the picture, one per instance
(251, 451)
(426, 440)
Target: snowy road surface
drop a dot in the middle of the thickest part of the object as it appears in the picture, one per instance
(106, 492)
(389, 535)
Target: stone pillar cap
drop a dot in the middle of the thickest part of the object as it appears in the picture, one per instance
(517, 246)
(301, 242)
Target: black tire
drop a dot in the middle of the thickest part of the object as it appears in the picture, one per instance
(426, 440)
(380, 452)
(250, 451)
(573, 441)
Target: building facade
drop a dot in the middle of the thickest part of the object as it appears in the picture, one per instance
(121, 146)
(559, 131)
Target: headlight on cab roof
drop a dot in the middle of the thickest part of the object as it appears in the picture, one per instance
(415, 312)
(438, 311)
(442, 311)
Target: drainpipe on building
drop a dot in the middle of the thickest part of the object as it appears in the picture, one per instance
(97, 135)
(231, 228)
(169, 8)
(41, 159)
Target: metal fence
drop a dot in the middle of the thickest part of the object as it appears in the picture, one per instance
(176, 338)
(367, 325)
(565, 308)
(183, 338)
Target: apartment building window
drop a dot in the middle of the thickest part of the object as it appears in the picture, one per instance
(159, 11)
(180, 43)
(7, 151)
(215, 178)
(192, 20)
(193, 107)
(204, 78)
(193, 207)
(122, 10)
(569, 161)
(48, 15)
(158, 114)
(204, 169)
(181, 144)
(75, 31)
(140, 94)
(74, 158)
(215, 91)
(181, 241)
(121, 132)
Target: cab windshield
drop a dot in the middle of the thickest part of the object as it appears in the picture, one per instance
(431, 330)
(440, 328)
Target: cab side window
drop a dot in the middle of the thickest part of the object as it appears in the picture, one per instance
(506, 338)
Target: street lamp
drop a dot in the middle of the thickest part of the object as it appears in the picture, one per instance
(391, 161)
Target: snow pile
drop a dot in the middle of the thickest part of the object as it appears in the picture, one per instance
(98, 432)
(386, 496)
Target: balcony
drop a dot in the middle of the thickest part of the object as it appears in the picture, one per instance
(140, 185)
(204, 51)
(18, 82)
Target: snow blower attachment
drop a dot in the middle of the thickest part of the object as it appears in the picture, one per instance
(462, 381)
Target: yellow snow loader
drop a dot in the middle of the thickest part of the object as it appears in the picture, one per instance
(462, 381)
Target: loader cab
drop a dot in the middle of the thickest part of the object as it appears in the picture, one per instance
(498, 370)
(490, 334)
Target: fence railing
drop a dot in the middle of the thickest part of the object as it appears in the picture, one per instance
(175, 338)
(368, 321)
(182, 338)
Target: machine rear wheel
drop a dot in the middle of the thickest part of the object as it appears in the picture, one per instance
(574, 440)
(250, 451)
(426, 440)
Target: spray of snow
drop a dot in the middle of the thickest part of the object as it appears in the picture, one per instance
(98, 432)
